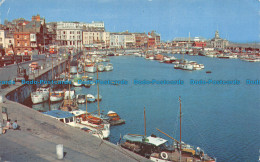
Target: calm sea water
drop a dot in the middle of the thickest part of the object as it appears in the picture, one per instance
(223, 120)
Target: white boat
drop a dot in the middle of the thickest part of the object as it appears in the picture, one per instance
(91, 68)
(100, 67)
(70, 119)
(69, 94)
(93, 123)
(81, 98)
(91, 98)
(40, 95)
(109, 67)
(56, 96)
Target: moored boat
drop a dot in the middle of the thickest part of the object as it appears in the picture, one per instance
(81, 98)
(114, 118)
(40, 95)
(91, 98)
(56, 96)
(109, 67)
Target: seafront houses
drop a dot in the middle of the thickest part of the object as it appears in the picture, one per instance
(69, 34)
(140, 40)
(29, 36)
(95, 37)
(75, 34)
(117, 40)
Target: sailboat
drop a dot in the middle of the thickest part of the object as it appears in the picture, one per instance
(180, 151)
(143, 145)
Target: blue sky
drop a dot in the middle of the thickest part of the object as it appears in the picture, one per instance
(236, 20)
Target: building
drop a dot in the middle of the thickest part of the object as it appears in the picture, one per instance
(69, 34)
(129, 40)
(151, 41)
(187, 41)
(199, 44)
(141, 40)
(2, 38)
(22, 42)
(51, 33)
(30, 36)
(117, 40)
(95, 37)
(156, 36)
(218, 42)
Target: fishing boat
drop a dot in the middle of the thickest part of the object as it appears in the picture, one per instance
(56, 96)
(114, 118)
(40, 95)
(90, 98)
(180, 151)
(109, 67)
(81, 98)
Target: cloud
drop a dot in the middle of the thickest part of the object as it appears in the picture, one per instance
(2, 1)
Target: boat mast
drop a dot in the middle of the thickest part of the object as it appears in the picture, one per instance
(69, 83)
(180, 127)
(144, 123)
(98, 94)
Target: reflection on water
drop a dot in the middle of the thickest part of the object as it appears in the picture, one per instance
(42, 107)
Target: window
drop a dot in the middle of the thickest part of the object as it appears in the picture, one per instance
(25, 44)
(67, 120)
(25, 37)
(1, 39)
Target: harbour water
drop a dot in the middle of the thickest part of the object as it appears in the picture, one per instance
(223, 120)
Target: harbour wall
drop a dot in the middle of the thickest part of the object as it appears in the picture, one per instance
(23, 91)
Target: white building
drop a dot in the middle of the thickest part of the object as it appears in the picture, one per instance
(6, 41)
(70, 33)
(117, 40)
(96, 37)
(2, 38)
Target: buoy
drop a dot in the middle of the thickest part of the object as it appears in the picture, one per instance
(164, 155)
(59, 151)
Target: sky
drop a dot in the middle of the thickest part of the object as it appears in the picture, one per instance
(236, 20)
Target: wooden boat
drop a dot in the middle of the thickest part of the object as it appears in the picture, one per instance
(180, 151)
(114, 118)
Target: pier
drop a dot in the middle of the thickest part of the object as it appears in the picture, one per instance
(39, 134)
